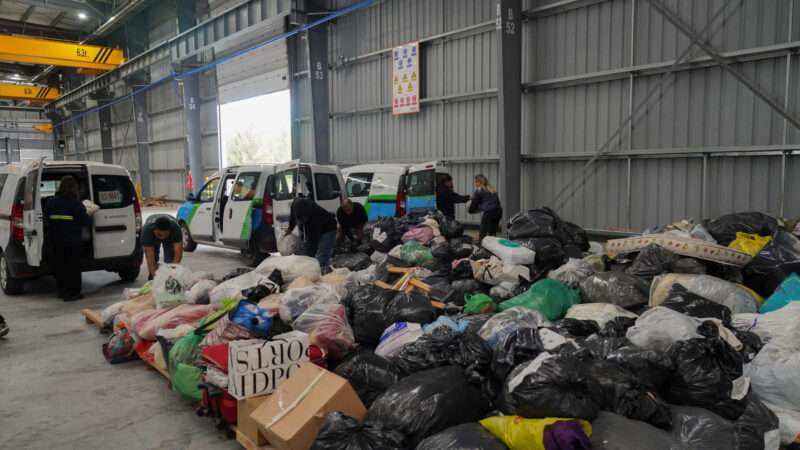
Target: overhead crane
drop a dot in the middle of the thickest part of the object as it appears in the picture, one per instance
(25, 92)
(26, 49)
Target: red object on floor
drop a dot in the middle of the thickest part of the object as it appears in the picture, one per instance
(216, 355)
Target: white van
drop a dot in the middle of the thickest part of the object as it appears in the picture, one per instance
(111, 243)
(394, 190)
(248, 208)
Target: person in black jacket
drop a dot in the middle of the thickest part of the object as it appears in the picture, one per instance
(318, 228)
(65, 216)
(486, 201)
(447, 198)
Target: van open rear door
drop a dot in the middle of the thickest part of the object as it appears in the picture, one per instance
(32, 217)
(420, 185)
(114, 224)
(290, 179)
(238, 210)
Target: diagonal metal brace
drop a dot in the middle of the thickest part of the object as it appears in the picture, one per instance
(724, 62)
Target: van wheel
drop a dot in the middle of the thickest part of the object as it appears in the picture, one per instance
(252, 256)
(189, 244)
(9, 284)
(129, 275)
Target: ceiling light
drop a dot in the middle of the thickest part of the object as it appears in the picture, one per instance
(82, 15)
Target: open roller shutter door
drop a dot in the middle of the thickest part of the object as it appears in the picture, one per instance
(262, 71)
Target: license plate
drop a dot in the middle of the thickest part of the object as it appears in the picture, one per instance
(109, 197)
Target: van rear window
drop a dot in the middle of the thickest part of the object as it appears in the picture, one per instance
(113, 191)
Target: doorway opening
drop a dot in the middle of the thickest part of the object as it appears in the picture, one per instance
(256, 130)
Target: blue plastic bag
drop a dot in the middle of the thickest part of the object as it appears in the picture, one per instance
(788, 291)
(250, 316)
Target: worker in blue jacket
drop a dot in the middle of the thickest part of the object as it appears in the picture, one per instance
(65, 216)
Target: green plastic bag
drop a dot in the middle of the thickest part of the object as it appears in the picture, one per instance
(549, 297)
(416, 254)
(479, 304)
(185, 351)
(186, 380)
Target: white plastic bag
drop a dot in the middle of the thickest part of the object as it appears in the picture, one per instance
(779, 326)
(170, 285)
(504, 290)
(492, 271)
(110, 312)
(198, 294)
(233, 288)
(294, 302)
(378, 257)
(288, 244)
(502, 324)
(602, 313)
(396, 336)
(774, 375)
(509, 252)
(572, 273)
(660, 327)
(291, 267)
(735, 297)
(91, 208)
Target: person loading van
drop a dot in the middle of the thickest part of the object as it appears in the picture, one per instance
(486, 201)
(318, 227)
(351, 217)
(161, 230)
(447, 198)
(66, 215)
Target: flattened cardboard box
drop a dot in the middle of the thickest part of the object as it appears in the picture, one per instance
(293, 415)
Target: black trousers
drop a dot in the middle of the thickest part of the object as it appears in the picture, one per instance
(67, 268)
(490, 222)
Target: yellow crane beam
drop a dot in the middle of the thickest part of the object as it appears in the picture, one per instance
(25, 92)
(32, 50)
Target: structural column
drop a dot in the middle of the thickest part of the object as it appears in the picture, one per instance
(79, 135)
(105, 133)
(142, 119)
(194, 144)
(7, 149)
(509, 76)
(317, 39)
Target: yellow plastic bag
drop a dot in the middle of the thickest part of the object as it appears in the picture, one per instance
(519, 433)
(749, 243)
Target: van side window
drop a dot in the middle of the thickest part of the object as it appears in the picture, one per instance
(3, 179)
(284, 185)
(327, 186)
(358, 184)
(207, 194)
(30, 192)
(421, 183)
(113, 191)
(245, 188)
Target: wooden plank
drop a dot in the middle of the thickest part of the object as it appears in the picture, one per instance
(159, 370)
(420, 285)
(245, 442)
(93, 316)
(437, 305)
(383, 285)
(402, 270)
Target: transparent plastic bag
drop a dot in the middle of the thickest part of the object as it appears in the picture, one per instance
(294, 302)
(660, 327)
(396, 336)
(198, 294)
(327, 327)
(502, 324)
(572, 273)
(291, 267)
(170, 285)
(232, 289)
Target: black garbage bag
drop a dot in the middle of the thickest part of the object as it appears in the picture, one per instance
(542, 222)
(467, 436)
(751, 344)
(683, 301)
(428, 402)
(442, 252)
(520, 346)
(235, 273)
(689, 265)
(698, 428)
(724, 228)
(617, 327)
(651, 261)
(450, 228)
(776, 261)
(386, 234)
(461, 251)
(654, 368)
(474, 322)
(704, 375)
(757, 425)
(593, 348)
(341, 432)
(621, 289)
(369, 374)
(576, 328)
(549, 252)
(624, 394)
(440, 348)
(366, 307)
(575, 236)
(462, 271)
(462, 287)
(352, 261)
(561, 386)
(410, 307)
(614, 432)
(475, 356)
(256, 293)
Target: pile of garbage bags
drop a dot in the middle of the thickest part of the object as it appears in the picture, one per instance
(539, 340)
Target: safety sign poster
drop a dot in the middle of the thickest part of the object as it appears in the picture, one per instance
(405, 75)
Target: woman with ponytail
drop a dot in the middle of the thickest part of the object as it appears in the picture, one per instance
(486, 201)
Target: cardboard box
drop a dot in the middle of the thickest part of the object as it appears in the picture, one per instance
(247, 426)
(258, 367)
(293, 415)
(245, 442)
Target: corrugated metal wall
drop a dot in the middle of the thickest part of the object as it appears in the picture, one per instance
(703, 145)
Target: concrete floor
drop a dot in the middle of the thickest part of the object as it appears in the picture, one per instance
(57, 391)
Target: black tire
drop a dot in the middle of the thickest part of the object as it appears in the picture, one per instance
(9, 284)
(129, 275)
(189, 245)
(252, 255)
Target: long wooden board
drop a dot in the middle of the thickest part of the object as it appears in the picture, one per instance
(93, 317)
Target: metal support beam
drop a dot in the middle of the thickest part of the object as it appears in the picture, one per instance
(194, 145)
(725, 63)
(7, 149)
(105, 133)
(142, 119)
(57, 19)
(317, 39)
(32, 50)
(27, 14)
(509, 84)
(79, 136)
(293, 50)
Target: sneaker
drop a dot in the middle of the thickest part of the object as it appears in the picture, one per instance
(3, 327)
